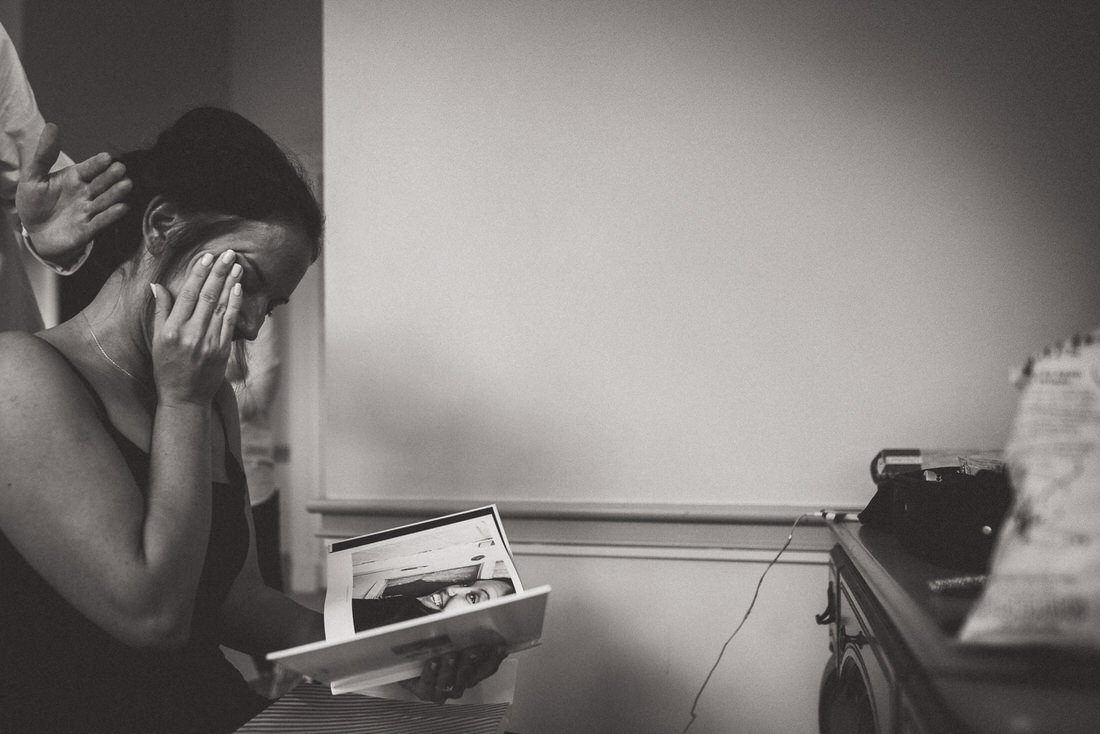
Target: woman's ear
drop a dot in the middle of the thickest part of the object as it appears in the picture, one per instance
(159, 219)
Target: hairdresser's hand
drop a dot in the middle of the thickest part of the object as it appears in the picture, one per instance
(64, 210)
(448, 676)
(193, 331)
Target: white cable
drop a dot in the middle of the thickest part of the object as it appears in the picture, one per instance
(790, 536)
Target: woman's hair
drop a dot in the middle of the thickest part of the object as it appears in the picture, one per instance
(217, 168)
(507, 582)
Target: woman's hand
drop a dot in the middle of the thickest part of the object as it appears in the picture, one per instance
(193, 333)
(448, 676)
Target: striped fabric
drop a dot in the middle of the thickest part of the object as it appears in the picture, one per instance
(310, 708)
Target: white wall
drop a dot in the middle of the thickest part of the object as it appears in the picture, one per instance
(689, 252)
(694, 251)
(628, 643)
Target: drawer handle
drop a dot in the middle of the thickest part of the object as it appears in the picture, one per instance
(858, 639)
(829, 615)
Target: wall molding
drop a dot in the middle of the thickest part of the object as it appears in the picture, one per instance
(666, 553)
(607, 529)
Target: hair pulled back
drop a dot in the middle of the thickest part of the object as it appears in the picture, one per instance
(217, 168)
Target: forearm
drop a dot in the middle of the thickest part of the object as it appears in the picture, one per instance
(176, 530)
(263, 619)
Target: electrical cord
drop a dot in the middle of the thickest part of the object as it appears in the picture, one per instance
(826, 514)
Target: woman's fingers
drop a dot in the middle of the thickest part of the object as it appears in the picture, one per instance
(475, 664)
(437, 680)
(214, 293)
(162, 306)
(424, 686)
(232, 310)
(445, 680)
(450, 675)
(467, 669)
(215, 332)
(189, 293)
(202, 290)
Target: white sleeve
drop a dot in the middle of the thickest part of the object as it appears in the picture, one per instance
(20, 121)
(20, 127)
(68, 270)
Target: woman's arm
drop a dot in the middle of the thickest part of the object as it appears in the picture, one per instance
(257, 619)
(68, 502)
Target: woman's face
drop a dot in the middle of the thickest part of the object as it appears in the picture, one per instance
(461, 596)
(273, 258)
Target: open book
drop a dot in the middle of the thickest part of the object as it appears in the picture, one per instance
(399, 597)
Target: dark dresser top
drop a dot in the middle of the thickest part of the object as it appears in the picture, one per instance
(988, 689)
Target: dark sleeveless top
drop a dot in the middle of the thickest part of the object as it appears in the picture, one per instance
(59, 672)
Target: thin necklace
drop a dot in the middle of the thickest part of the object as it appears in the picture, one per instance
(106, 356)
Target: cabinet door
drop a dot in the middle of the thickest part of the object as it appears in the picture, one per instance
(845, 704)
(868, 647)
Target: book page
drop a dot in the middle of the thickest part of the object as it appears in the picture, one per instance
(416, 570)
(1044, 578)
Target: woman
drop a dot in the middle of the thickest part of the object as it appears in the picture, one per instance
(125, 551)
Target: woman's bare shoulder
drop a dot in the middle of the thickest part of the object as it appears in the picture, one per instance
(34, 376)
(25, 357)
(21, 354)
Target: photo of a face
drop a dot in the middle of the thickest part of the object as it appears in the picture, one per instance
(454, 598)
(448, 568)
(452, 566)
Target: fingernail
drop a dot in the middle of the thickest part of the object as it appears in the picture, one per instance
(228, 256)
(206, 259)
(153, 287)
(236, 271)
